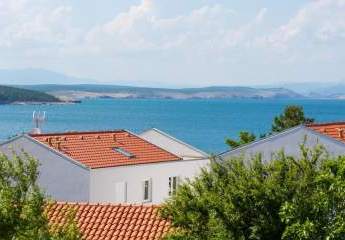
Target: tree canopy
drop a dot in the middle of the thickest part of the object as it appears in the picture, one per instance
(292, 116)
(244, 138)
(286, 198)
(22, 203)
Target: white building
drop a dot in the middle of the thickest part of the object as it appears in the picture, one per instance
(110, 166)
(330, 135)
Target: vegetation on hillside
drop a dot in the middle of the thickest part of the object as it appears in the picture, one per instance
(286, 198)
(292, 116)
(22, 215)
(12, 94)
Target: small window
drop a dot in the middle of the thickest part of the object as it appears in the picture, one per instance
(147, 190)
(123, 152)
(173, 184)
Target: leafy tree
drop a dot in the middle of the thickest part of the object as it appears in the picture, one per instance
(292, 116)
(22, 203)
(244, 138)
(286, 198)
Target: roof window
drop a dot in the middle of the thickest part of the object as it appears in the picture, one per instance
(123, 152)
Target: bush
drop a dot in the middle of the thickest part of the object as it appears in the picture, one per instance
(287, 198)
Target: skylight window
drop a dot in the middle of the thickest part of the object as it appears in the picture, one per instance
(123, 152)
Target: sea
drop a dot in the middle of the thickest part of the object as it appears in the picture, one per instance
(200, 122)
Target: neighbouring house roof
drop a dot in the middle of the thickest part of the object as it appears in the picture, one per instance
(112, 221)
(334, 130)
(105, 149)
(173, 145)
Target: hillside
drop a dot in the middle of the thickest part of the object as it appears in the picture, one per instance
(74, 92)
(13, 94)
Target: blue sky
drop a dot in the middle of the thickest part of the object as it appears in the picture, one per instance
(177, 43)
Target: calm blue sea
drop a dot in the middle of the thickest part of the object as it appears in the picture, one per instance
(203, 123)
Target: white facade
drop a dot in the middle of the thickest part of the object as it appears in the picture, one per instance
(64, 179)
(104, 180)
(288, 141)
(60, 177)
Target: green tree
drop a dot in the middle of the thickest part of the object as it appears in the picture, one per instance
(22, 203)
(292, 116)
(287, 198)
(244, 138)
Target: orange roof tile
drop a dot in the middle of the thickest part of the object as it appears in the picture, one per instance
(105, 149)
(334, 130)
(111, 228)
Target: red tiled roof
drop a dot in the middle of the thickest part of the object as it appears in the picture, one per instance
(120, 222)
(334, 130)
(96, 149)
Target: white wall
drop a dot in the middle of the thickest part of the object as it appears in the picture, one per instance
(103, 180)
(61, 179)
(289, 142)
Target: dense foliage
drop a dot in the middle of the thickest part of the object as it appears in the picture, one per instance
(292, 116)
(287, 198)
(244, 138)
(22, 215)
(12, 94)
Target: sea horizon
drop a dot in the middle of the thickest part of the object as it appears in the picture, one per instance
(204, 123)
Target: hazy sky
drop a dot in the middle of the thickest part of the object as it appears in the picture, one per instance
(177, 43)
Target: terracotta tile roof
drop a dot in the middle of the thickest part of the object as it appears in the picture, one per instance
(106, 149)
(120, 222)
(334, 130)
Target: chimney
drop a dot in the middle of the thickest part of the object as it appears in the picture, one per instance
(59, 146)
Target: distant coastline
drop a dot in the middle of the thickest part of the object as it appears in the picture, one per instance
(87, 91)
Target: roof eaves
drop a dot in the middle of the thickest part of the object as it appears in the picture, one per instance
(153, 163)
(262, 140)
(12, 139)
(107, 204)
(324, 124)
(76, 133)
(179, 141)
(56, 152)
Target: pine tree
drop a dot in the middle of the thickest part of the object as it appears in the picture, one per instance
(292, 116)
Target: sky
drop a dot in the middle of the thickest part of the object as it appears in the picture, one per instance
(178, 43)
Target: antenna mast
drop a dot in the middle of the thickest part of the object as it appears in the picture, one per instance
(38, 119)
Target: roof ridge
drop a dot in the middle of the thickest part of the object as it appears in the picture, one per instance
(324, 124)
(77, 133)
(105, 204)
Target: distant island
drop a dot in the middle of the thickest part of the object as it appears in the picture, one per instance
(82, 91)
(53, 83)
(10, 95)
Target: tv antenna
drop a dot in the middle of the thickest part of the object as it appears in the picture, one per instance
(38, 119)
